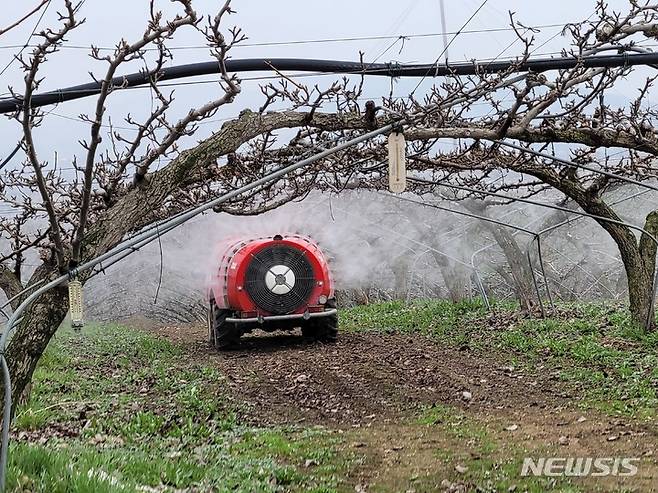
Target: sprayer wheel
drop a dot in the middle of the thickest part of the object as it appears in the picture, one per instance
(323, 328)
(226, 334)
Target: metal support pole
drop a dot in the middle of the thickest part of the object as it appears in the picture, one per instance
(563, 223)
(413, 272)
(478, 279)
(534, 282)
(483, 292)
(486, 219)
(650, 315)
(151, 234)
(486, 247)
(543, 272)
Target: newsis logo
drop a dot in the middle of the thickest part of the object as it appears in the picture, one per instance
(579, 466)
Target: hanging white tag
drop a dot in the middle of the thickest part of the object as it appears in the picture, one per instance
(75, 304)
(397, 170)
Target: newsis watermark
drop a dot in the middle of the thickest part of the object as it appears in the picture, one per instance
(580, 466)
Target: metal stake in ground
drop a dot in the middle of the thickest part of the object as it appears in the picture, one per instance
(569, 211)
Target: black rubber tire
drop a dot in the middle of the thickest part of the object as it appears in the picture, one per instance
(222, 334)
(323, 328)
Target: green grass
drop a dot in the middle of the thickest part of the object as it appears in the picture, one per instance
(126, 411)
(611, 362)
(490, 463)
(488, 458)
(114, 409)
(438, 318)
(459, 426)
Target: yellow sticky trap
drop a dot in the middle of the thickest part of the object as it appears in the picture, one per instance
(397, 170)
(75, 304)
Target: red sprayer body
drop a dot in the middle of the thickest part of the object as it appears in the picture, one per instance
(279, 282)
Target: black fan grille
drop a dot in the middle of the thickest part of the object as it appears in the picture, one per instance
(262, 262)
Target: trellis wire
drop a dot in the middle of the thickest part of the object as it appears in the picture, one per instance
(137, 239)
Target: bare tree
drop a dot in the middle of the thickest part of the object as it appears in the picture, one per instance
(25, 17)
(65, 213)
(563, 107)
(115, 190)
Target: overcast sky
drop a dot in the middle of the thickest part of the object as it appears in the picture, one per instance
(270, 21)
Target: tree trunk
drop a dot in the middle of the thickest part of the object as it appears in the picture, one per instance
(639, 260)
(640, 266)
(453, 278)
(516, 259)
(10, 284)
(30, 339)
(640, 290)
(401, 276)
(519, 268)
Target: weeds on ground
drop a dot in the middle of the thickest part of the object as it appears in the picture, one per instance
(474, 457)
(114, 409)
(612, 363)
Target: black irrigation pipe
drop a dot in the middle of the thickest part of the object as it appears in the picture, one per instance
(336, 67)
(563, 209)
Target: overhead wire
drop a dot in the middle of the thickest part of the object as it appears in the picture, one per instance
(445, 48)
(558, 34)
(306, 41)
(36, 26)
(395, 26)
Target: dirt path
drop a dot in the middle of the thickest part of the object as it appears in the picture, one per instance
(374, 386)
(284, 378)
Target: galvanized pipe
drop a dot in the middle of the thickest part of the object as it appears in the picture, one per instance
(130, 244)
(563, 209)
(568, 221)
(482, 218)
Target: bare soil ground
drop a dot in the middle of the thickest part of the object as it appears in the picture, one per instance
(373, 386)
(283, 378)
